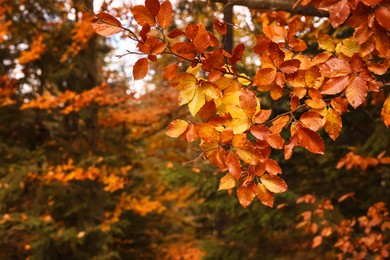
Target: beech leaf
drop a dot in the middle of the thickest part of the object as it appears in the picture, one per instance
(333, 124)
(140, 69)
(106, 25)
(227, 182)
(176, 128)
(273, 183)
(165, 15)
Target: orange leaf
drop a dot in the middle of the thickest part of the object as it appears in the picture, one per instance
(265, 196)
(356, 91)
(192, 133)
(386, 112)
(279, 124)
(333, 124)
(176, 128)
(317, 241)
(183, 81)
(201, 40)
(165, 15)
(264, 77)
(273, 183)
(290, 66)
(382, 15)
(346, 196)
(339, 13)
(335, 85)
(227, 182)
(248, 102)
(142, 15)
(233, 164)
(262, 116)
(140, 69)
(310, 140)
(170, 71)
(220, 27)
(184, 49)
(272, 167)
(315, 103)
(237, 53)
(106, 25)
(336, 68)
(339, 104)
(153, 6)
(208, 133)
(245, 195)
(312, 120)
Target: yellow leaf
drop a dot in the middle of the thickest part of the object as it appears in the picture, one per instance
(186, 95)
(348, 47)
(326, 42)
(239, 125)
(265, 196)
(227, 182)
(244, 80)
(194, 70)
(197, 102)
(333, 124)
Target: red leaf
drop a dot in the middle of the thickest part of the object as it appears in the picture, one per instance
(220, 27)
(237, 53)
(201, 40)
(153, 6)
(370, 2)
(165, 15)
(339, 104)
(356, 91)
(142, 15)
(335, 85)
(106, 24)
(140, 69)
(184, 49)
(265, 196)
(339, 13)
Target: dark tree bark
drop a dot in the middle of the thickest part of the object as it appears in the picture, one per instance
(276, 5)
(228, 18)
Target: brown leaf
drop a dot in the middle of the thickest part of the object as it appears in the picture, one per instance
(142, 15)
(333, 124)
(237, 53)
(335, 85)
(265, 196)
(245, 195)
(140, 69)
(356, 91)
(176, 128)
(273, 183)
(165, 15)
(106, 24)
(220, 26)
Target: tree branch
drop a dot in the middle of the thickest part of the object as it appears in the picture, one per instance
(276, 5)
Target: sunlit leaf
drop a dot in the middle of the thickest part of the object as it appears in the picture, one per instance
(165, 15)
(357, 91)
(335, 85)
(142, 15)
(106, 24)
(176, 128)
(227, 182)
(245, 195)
(273, 183)
(312, 120)
(265, 196)
(386, 112)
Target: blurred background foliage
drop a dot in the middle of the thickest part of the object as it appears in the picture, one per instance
(86, 171)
